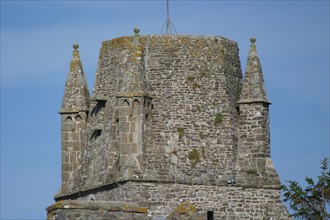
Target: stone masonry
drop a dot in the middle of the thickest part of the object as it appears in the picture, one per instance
(171, 131)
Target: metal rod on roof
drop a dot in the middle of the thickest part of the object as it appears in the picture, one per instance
(168, 23)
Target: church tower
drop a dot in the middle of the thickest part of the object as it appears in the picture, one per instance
(161, 137)
(74, 113)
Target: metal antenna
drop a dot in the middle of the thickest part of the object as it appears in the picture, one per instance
(168, 23)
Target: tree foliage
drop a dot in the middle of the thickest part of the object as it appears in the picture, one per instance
(311, 202)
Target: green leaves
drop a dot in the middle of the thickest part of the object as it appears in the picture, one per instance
(311, 202)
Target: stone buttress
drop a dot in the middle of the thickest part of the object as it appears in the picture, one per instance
(133, 107)
(171, 131)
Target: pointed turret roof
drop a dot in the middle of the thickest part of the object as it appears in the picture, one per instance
(253, 89)
(76, 95)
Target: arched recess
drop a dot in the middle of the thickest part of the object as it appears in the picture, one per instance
(136, 103)
(126, 102)
(78, 118)
(96, 133)
(68, 119)
(100, 104)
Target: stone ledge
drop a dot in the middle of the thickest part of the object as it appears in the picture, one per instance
(99, 98)
(132, 94)
(250, 101)
(59, 196)
(98, 205)
(174, 37)
(71, 110)
(108, 186)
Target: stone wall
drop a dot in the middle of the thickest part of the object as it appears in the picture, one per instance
(191, 134)
(81, 210)
(227, 202)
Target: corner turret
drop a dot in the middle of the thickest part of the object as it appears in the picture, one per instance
(254, 161)
(74, 113)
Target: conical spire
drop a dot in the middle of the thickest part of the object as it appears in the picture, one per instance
(253, 89)
(76, 95)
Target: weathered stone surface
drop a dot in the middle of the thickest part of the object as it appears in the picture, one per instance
(170, 126)
(82, 210)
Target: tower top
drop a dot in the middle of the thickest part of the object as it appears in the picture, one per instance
(253, 89)
(76, 94)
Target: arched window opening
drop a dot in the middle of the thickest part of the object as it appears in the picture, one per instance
(78, 118)
(126, 102)
(96, 134)
(99, 105)
(136, 103)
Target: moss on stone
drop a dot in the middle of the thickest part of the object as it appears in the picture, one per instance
(218, 118)
(180, 132)
(203, 152)
(201, 135)
(251, 171)
(191, 78)
(203, 74)
(194, 157)
(195, 85)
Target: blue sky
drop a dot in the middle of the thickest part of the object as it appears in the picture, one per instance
(36, 48)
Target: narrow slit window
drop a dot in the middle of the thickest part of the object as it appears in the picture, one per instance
(99, 105)
(210, 215)
(96, 134)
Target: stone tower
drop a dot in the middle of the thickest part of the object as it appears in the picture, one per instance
(171, 131)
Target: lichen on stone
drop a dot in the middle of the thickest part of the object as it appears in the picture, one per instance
(185, 210)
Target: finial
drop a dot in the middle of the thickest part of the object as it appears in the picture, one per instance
(253, 46)
(75, 46)
(136, 30)
(75, 51)
(136, 36)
